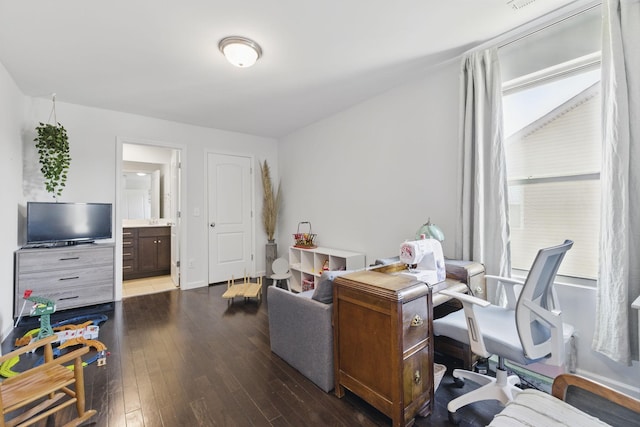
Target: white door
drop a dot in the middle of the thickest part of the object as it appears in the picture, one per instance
(229, 189)
(174, 209)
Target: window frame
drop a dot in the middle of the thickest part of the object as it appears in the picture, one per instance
(550, 74)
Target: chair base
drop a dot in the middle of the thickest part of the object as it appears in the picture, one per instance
(502, 388)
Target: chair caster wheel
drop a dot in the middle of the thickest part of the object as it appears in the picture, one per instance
(459, 382)
(454, 418)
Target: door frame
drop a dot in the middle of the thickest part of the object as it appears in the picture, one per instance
(252, 191)
(120, 141)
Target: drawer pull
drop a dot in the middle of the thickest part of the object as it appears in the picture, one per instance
(417, 321)
(70, 258)
(69, 278)
(417, 378)
(62, 299)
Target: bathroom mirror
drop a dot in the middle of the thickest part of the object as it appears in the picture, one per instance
(141, 194)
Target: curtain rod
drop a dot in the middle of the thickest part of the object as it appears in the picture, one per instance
(549, 25)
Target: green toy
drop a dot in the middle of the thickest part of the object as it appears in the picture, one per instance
(43, 307)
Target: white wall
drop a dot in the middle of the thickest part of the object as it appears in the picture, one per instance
(92, 137)
(368, 177)
(12, 104)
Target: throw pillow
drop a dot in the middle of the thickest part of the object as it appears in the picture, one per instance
(324, 291)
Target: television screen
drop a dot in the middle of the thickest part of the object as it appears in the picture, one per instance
(67, 222)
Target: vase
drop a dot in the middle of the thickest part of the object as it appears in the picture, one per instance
(271, 253)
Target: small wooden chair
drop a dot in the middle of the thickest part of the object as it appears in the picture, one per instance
(50, 381)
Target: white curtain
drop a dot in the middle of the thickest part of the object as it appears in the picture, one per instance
(483, 226)
(619, 279)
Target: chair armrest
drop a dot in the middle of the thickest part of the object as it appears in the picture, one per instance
(465, 298)
(507, 280)
(469, 304)
(27, 348)
(509, 289)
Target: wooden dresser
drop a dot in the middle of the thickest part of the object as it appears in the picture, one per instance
(73, 276)
(383, 343)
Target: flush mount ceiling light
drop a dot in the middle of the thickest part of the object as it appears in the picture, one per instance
(240, 51)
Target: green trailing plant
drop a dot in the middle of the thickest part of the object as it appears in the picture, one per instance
(271, 202)
(53, 149)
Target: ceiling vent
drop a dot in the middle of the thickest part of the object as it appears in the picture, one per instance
(519, 4)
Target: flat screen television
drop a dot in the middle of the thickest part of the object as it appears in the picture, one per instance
(50, 223)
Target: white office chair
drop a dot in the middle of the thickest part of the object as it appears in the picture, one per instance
(281, 271)
(527, 330)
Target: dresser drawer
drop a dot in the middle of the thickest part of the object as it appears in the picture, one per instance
(45, 280)
(79, 296)
(40, 260)
(415, 322)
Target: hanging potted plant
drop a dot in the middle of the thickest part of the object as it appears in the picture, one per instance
(53, 150)
(271, 206)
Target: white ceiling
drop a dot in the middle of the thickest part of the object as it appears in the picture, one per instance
(160, 58)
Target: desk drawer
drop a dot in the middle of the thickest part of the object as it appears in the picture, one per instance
(417, 381)
(415, 322)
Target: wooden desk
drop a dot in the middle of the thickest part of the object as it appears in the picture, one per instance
(462, 276)
(383, 343)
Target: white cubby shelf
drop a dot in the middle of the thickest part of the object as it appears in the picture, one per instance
(306, 265)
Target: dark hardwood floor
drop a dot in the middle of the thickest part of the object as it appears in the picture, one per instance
(187, 358)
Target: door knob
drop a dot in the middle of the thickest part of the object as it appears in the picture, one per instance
(212, 225)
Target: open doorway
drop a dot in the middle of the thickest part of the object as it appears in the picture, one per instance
(149, 208)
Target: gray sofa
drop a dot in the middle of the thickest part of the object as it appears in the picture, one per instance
(300, 329)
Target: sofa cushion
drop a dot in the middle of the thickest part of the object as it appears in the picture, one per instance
(324, 291)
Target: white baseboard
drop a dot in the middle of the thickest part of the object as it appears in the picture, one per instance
(194, 285)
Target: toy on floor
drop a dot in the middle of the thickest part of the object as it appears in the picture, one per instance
(246, 289)
(42, 307)
(68, 334)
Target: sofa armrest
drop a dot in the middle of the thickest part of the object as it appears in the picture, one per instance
(301, 334)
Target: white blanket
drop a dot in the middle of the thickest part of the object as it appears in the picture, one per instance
(533, 408)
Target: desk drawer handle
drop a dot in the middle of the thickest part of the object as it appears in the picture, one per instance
(70, 258)
(62, 299)
(417, 321)
(69, 278)
(417, 378)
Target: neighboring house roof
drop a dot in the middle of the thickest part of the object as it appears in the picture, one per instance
(559, 111)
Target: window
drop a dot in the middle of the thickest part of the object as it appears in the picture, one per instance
(553, 154)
